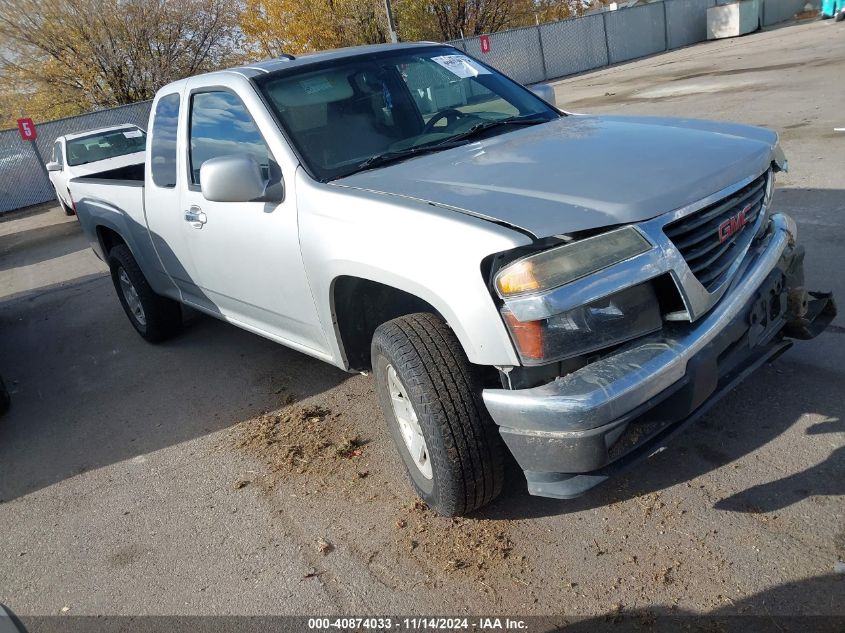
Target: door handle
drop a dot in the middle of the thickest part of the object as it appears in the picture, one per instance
(196, 217)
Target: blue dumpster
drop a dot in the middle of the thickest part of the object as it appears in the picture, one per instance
(830, 8)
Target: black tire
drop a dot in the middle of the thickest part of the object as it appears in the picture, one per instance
(463, 444)
(161, 317)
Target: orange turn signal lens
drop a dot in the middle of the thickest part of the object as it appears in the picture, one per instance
(528, 336)
(519, 277)
(560, 265)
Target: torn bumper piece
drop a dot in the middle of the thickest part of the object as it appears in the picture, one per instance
(577, 431)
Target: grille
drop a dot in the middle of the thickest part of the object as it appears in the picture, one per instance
(698, 236)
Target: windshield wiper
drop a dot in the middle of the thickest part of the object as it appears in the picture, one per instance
(401, 154)
(480, 128)
(452, 141)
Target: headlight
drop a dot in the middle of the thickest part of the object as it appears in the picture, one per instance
(563, 264)
(620, 317)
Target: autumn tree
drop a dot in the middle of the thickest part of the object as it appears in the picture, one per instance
(68, 56)
(445, 20)
(554, 10)
(300, 26)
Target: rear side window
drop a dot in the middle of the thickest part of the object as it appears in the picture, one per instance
(221, 126)
(163, 143)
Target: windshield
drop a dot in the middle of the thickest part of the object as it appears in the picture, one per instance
(341, 115)
(89, 149)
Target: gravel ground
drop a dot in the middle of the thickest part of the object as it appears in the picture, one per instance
(223, 474)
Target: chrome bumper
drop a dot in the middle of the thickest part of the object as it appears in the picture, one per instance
(605, 391)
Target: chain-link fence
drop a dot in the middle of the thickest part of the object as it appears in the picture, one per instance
(557, 49)
(775, 11)
(529, 55)
(573, 46)
(22, 180)
(686, 21)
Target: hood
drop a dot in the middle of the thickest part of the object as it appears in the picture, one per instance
(98, 166)
(580, 172)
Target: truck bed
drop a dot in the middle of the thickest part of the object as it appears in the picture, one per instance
(126, 174)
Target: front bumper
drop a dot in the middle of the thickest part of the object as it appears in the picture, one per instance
(575, 432)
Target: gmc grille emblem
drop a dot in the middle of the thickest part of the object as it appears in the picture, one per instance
(733, 225)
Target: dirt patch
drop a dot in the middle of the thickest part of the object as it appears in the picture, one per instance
(312, 450)
(300, 440)
(472, 547)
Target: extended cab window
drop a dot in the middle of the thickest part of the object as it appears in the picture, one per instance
(221, 126)
(163, 144)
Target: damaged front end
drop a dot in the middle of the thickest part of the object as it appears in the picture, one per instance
(726, 306)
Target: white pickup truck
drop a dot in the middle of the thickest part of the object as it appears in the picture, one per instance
(572, 288)
(91, 152)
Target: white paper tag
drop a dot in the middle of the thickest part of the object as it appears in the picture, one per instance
(132, 133)
(461, 65)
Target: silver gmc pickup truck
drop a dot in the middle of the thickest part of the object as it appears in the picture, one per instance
(572, 289)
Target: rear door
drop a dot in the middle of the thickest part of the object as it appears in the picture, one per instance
(246, 258)
(162, 201)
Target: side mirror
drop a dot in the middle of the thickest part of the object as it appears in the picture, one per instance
(545, 92)
(237, 178)
(53, 166)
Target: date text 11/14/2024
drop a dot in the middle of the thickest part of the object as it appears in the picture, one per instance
(417, 624)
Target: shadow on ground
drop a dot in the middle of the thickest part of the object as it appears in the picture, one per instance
(789, 608)
(40, 244)
(87, 391)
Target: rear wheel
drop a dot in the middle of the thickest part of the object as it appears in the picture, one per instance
(430, 395)
(156, 318)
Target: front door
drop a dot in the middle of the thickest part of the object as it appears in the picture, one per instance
(245, 256)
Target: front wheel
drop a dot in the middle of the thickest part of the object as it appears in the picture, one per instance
(430, 395)
(156, 318)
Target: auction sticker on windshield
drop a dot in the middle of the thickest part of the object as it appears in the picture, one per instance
(461, 65)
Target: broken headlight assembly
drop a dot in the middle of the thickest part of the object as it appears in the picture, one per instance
(614, 319)
(620, 317)
(563, 264)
